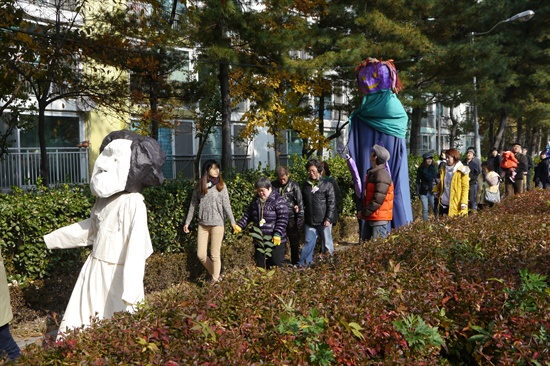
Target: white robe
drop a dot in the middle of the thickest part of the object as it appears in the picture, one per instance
(111, 280)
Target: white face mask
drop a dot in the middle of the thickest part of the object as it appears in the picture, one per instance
(111, 169)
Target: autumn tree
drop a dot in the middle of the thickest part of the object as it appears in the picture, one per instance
(147, 40)
(214, 28)
(53, 61)
(279, 101)
(12, 92)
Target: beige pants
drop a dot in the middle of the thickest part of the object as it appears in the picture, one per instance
(214, 235)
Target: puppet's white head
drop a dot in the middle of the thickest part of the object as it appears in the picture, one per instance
(127, 162)
(111, 169)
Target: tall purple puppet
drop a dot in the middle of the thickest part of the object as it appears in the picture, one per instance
(382, 120)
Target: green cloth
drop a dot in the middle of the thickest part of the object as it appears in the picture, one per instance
(384, 112)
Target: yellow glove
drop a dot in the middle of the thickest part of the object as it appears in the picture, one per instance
(237, 229)
(277, 240)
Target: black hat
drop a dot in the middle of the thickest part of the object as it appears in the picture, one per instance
(146, 160)
(428, 156)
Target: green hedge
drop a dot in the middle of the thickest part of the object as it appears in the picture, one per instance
(25, 217)
(459, 291)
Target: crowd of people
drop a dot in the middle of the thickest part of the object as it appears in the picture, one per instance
(453, 187)
(283, 209)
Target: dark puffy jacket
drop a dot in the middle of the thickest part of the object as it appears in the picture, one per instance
(475, 169)
(275, 214)
(293, 196)
(425, 179)
(542, 173)
(321, 205)
(378, 204)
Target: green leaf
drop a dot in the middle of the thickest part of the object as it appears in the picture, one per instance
(477, 337)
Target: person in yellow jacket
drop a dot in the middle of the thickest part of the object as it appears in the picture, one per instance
(453, 187)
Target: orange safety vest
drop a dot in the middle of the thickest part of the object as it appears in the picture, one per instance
(385, 212)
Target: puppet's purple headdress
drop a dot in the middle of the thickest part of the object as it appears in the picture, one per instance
(374, 75)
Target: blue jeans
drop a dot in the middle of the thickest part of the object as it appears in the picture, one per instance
(373, 232)
(472, 197)
(7, 343)
(312, 232)
(427, 203)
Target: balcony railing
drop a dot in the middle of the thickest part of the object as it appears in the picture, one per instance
(21, 167)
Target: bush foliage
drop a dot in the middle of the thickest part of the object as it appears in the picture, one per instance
(461, 291)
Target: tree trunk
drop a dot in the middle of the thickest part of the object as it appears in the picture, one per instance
(226, 116)
(501, 129)
(416, 123)
(304, 148)
(532, 143)
(321, 121)
(454, 127)
(277, 147)
(519, 137)
(154, 110)
(44, 162)
(491, 136)
(197, 162)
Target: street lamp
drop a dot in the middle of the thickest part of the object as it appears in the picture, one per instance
(521, 17)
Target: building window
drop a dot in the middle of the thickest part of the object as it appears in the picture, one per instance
(213, 146)
(426, 143)
(59, 132)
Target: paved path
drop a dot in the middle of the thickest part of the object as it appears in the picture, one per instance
(24, 342)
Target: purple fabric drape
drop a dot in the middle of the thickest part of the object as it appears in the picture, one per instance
(355, 176)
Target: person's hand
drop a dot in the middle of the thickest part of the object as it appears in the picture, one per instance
(276, 240)
(326, 223)
(296, 208)
(237, 229)
(186, 229)
(463, 206)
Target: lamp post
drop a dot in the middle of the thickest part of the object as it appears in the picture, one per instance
(521, 17)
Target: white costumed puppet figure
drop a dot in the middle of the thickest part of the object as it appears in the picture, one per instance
(111, 279)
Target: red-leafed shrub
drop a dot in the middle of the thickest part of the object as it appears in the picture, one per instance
(461, 291)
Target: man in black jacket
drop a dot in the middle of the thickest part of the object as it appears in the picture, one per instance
(517, 186)
(542, 171)
(319, 206)
(290, 191)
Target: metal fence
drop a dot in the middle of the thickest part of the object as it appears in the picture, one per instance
(21, 167)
